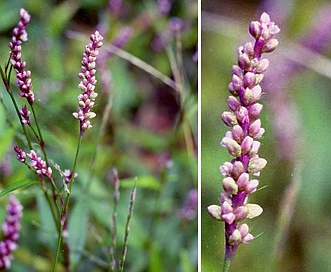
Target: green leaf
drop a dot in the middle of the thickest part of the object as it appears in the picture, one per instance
(18, 185)
(147, 182)
(77, 227)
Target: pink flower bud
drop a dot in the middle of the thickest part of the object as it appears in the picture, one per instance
(237, 83)
(226, 169)
(255, 110)
(237, 133)
(215, 211)
(246, 144)
(238, 169)
(249, 80)
(251, 186)
(270, 46)
(256, 165)
(243, 181)
(261, 66)
(230, 186)
(249, 49)
(242, 114)
(229, 118)
(252, 95)
(255, 29)
(233, 103)
(232, 146)
(244, 62)
(241, 213)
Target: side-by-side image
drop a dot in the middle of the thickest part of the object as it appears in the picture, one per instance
(99, 135)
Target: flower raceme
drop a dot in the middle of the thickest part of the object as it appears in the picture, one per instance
(23, 77)
(242, 140)
(10, 232)
(88, 81)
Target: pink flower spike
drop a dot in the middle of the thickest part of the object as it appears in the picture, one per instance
(88, 81)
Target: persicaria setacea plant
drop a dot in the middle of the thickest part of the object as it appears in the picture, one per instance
(242, 140)
(70, 211)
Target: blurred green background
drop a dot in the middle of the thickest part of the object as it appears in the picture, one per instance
(296, 117)
(144, 135)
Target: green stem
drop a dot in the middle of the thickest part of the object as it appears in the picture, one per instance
(226, 265)
(127, 229)
(66, 205)
(9, 91)
(40, 138)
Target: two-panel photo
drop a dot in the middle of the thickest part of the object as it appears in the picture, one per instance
(165, 136)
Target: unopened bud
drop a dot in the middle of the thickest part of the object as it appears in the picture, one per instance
(215, 212)
(230, 186)
(232, 146)
(255, 165)
(270, 46)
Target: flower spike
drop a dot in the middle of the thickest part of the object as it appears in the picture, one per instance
(241, 141)
(88, 81)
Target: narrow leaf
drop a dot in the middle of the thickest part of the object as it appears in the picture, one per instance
(18, 185)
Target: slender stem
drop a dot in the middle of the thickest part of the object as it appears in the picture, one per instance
(7, 86)
(114, 222)
(226, 265)
(141, 64)
(40, 138)
(127, 229)
(66, 205)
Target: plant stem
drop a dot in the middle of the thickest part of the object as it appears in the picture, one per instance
(127, 228)
(141, 64)
(66, 205)
(114, 221)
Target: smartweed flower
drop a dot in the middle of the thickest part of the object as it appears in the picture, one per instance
(88, 81)
(241, 140)
(10, 231)
(25, 114)
(23, 77)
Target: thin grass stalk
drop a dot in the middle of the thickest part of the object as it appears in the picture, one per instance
(127, 227)
(66, 205)
(141, 64)
(114, 222)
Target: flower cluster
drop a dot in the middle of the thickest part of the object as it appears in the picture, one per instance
(36, 162)
(23, 77)
(25, 114)
(242, 140)
(87, 84)
(10, 231)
